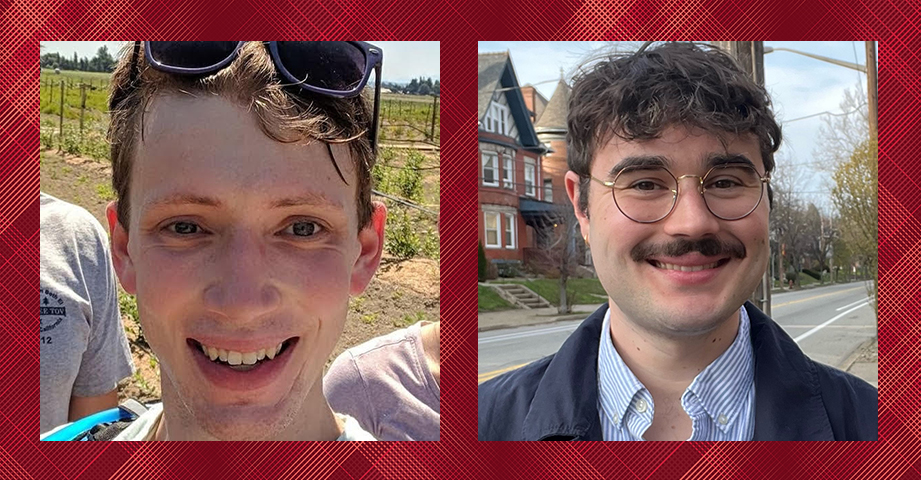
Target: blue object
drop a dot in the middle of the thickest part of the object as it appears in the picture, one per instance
(78, 430)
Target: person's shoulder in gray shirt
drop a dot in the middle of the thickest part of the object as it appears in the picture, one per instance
(84, 352)
(390, 384)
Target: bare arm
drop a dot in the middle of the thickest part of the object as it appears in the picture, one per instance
(83, 406)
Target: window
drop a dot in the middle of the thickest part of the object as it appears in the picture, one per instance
(508, 172)
(492, 229)
(496, 119)
(490, 169)
(548, 189)
(510, 230)
(530, 177)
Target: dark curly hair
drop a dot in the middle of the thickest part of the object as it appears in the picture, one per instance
(638, 96)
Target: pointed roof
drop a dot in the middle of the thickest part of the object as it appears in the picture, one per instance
(554, 116)
(496, 73)
(491, 66)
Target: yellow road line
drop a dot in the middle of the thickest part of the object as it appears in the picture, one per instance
(817, 296)
(488, 375)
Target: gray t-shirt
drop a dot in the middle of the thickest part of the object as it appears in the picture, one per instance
(386, 385)
(84, 351)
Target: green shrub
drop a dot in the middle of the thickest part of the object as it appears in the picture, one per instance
(482, 266)
(431, 245)
(380, 174)
(47, 138)
(815, 275)
(401, 239)
(409, 178)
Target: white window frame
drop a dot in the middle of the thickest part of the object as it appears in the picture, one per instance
(548, 190)
(530, 189)
(508, 171)
(497, 119)
(511, 227)
(496, 217)
(495, 168)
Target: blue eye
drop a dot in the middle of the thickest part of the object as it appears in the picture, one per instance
(303, 229)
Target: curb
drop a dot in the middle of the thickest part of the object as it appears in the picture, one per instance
(575, 316)
(855, 354)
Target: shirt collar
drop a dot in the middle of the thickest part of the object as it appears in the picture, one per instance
(720, 388)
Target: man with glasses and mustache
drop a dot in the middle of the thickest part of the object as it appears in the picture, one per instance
(243, 223)
(670, 155)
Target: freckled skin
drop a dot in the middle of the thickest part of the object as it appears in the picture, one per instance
(243, 271)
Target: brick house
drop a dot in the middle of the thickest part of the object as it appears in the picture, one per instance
(551, 130)
(516, 193)
(535, 102)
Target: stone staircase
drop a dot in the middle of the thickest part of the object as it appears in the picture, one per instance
(520, 295)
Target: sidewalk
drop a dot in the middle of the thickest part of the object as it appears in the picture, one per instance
(538, 316)
(862, 362)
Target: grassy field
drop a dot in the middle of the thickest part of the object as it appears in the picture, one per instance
(585, 290)
(404, 118)
(489, 301)
(75, 167)
(409, 118)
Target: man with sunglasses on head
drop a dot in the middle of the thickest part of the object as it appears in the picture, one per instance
(243, 223)
(670, 155)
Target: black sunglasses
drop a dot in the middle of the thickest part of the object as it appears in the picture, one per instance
(335, 69)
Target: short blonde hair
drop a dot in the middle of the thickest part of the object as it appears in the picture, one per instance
(251, 82)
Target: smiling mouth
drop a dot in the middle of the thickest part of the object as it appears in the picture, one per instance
(242, 361)
(685, 268)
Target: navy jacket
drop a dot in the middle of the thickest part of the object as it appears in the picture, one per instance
(556, 397)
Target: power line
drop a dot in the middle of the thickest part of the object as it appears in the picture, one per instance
(404, 202)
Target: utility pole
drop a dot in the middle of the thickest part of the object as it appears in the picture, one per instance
(750, 56)
(872, 91)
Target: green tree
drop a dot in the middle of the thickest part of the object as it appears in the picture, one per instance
(103, 61)
(856, 197)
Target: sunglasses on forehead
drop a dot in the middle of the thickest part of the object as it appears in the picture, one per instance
(334, 69)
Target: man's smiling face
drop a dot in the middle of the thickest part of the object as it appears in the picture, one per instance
(243, 248)
(688, 273)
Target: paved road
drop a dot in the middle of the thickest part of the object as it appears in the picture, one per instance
(827, 322)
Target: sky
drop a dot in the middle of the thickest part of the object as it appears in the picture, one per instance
(403, 61)
(799, 86)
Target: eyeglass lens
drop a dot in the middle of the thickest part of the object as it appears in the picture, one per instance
(647, 194)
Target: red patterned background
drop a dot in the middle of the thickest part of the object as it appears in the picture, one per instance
(458, 25)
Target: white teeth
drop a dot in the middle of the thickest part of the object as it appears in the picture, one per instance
(240, 358)
(234, 358)
(669, 266)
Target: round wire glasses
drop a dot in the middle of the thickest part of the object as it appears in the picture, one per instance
(647, 194)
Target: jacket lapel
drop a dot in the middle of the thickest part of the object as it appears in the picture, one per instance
(788, 400)
(565, 404)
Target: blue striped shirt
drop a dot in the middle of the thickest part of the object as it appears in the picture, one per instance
(720, 400)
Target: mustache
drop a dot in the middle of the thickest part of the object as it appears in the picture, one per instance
(709, 247)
